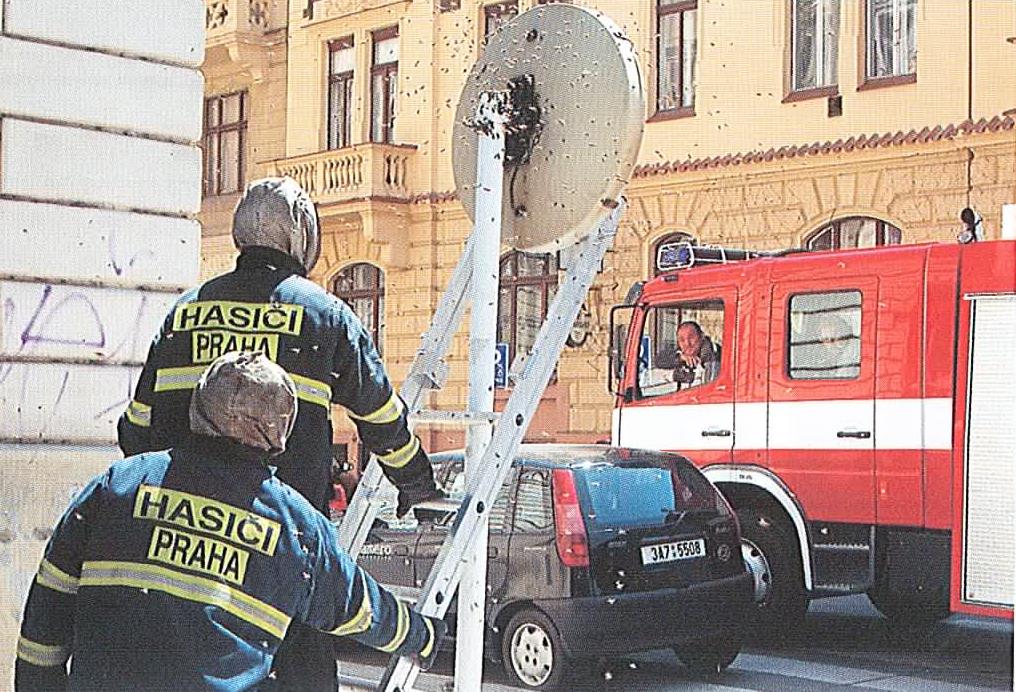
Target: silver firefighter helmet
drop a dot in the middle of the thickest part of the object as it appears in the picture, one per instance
(277, 213)
(247, 398)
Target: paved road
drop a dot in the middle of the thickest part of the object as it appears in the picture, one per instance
(843, 644)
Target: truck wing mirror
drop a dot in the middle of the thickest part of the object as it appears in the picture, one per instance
(620, 319)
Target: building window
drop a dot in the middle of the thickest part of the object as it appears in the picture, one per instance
(676, 55)
(824, 336)
(528, 284)
(814, 38)
(341, 61)
(891, 30)
(223, 143)
(495, 16)
(384, 76)
(362, 287)
(853, 231)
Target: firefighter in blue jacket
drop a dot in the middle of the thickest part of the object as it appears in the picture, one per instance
(266, 304)
(182, 569)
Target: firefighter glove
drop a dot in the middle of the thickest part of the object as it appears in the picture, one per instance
(438, 629)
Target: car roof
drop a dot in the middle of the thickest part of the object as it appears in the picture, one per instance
(573, 456)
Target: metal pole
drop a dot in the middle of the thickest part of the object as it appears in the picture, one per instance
(482, 336)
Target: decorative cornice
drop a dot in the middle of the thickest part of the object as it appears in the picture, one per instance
(874, 141)
(434, 197)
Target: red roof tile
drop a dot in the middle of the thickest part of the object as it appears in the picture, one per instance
(864, 141)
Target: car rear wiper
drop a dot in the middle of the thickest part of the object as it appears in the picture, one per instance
(676, 516)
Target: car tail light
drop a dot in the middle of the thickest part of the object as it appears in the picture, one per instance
(572, 544)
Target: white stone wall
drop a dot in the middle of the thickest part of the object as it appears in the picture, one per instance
(100, 180)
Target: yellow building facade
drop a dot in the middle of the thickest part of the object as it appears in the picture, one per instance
(769, 124)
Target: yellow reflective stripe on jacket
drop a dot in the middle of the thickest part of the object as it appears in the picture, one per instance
(425, 651)
(172, 379)
(189, 587)
(45, 655)
(312, 391)
(139, 414)
(359, 622)
(52, 577)
(401, 456)
(388, 413)
(401, 629)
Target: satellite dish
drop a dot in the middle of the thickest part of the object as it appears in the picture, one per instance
(588, 96)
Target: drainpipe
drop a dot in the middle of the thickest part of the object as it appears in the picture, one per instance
(970, 94)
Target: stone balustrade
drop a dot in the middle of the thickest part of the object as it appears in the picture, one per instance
(361, 172)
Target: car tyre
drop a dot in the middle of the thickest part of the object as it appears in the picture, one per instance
(532, 651)
(711, 657)
(783, 608)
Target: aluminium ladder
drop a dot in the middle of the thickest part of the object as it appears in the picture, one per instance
(429, 371)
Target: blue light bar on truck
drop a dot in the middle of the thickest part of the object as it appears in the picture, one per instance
(683, 255)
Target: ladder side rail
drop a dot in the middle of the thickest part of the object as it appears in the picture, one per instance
(427, 372)
(481, 490)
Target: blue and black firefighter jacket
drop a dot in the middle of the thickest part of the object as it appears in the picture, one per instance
(183, 569)
(266, 305)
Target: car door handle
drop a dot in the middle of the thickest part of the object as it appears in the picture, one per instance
(857, 434)
(491, 551)
(716, 432)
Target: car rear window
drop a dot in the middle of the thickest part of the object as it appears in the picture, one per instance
(643, 494)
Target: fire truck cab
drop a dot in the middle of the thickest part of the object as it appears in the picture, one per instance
(861, 418)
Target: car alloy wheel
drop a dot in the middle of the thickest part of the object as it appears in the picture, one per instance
(532, 651)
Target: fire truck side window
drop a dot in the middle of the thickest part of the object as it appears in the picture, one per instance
(824, 336)
(680, 347)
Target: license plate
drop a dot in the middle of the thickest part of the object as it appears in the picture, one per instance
(671, 552)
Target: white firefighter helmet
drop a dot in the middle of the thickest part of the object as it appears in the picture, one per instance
(277, 213)
(247, 398)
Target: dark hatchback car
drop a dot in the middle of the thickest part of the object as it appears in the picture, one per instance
(594, 551)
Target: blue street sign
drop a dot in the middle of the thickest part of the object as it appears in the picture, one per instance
(645, 357)
(501, 365)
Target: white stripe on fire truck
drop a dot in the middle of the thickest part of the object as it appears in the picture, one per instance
(893, 423)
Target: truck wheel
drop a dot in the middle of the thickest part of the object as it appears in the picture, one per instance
(711, 657)
(531, 651)
(772, 553)
(908, 612)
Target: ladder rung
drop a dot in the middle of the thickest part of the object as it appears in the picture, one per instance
(407, 594)
(439, 505)
(455, 417)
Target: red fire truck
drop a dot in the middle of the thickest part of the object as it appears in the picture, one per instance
(861, 420)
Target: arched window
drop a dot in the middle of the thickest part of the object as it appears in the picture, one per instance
(362, 287)
(665, 329)
(853, 231)
(528, 283)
